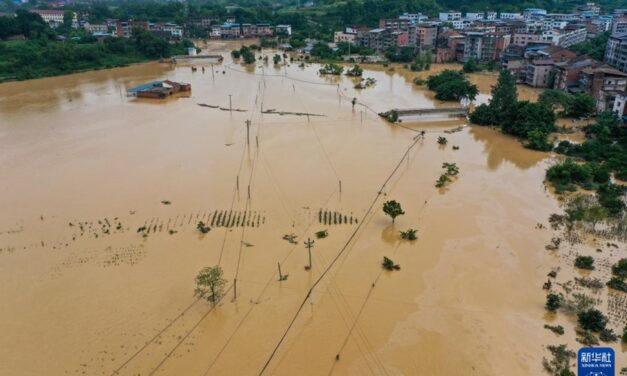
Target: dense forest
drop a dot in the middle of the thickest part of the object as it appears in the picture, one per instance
(44, 54)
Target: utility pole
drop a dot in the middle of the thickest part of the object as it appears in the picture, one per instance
(308, 244)
(230, 106)
(213, 77)
(247, 132)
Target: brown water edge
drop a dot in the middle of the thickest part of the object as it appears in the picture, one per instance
(467, 297)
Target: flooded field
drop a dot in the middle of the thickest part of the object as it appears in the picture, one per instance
(85, 167)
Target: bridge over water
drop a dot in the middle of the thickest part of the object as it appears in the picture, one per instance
(396, 115)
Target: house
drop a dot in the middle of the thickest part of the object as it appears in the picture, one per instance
(603, 83)
(620, 105)
(174, 30)
(567, 73)
(566, 37)
(159, 89)
(483, 46)
(283, 30)
(54, 18)
(96, 28)
(616, 52)
(510, 16)
(537, 72)
(125, 28)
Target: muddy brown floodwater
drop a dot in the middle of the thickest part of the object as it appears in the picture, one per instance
(84, 167)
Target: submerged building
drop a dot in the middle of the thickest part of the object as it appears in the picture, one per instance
(159, 89)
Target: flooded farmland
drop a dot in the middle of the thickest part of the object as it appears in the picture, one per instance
(85, 167)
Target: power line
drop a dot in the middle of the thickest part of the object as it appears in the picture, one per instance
(265, 366)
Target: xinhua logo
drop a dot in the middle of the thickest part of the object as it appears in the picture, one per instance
(596, 361)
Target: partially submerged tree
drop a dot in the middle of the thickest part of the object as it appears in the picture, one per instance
(210, 284)
(584, 262)
(202, 227)
(553, 302)
(592, 319)
(388, 264)
(393, 209)
(409, 234)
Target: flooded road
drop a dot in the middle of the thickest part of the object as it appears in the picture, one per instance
(85, 167)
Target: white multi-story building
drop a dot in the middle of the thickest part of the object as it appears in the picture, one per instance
(533, 12)
(510, 16)
(564, 38)
(619, 25)
(553, 24)
(603, 23)
(54, 18)
(341, 36)
(284, 29)
(175, 30)
(450, 16)
(474, 16)
(97, 28)
(414, 18)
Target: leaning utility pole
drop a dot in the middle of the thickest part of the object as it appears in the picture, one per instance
(308, 244)
(247, 132)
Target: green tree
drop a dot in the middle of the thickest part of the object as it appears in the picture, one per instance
(452, 85)
(504, 98)
(210, 284)
(555, 99)
(528, 117)
(537, 140)
(392, 209)
(584, 262)
(471, 66)
(581, 104)
(410, 234)
(276, 59)
(553, 302)
(620, 268)
(68, 18)
(592, 319)
(483, 115)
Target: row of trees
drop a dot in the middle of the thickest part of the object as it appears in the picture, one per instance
(42, 57)
(530, 121)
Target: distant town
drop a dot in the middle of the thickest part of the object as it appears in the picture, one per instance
(541, 49)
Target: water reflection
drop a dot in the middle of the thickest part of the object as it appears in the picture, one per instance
(51, 94)
(500, 149)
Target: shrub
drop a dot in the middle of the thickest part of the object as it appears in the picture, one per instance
(592, 319)
(608, 335)
(620, 268)
(557, 329)
(553, 302)
(409, 234)
(483, 115)
(202, 227)
(617, 284)
(322, 234)
(584, 262)
(388, 264)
